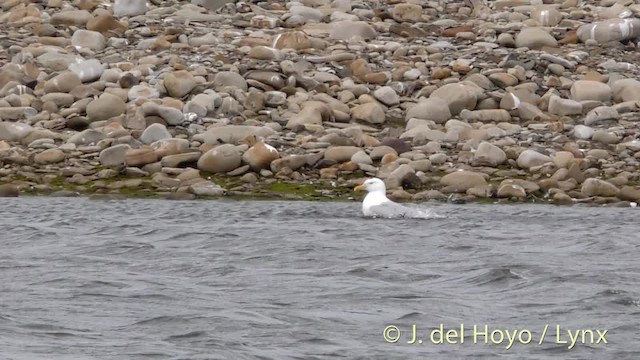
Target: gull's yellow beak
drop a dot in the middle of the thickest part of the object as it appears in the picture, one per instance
(359, 188)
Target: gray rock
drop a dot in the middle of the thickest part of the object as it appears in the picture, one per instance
(127, 8)
(87, 137)
(154, 133)
(583, 132)
(345, 30)
(211, 5)
(89, 39)
(530, 158)
(10, 131)
(229, 79)
(105, 107)
(489, 155)
(562, 107)
(87, 70)
(436, 109)
(535, 38)
(206, 188)
(387, 96)
(114, 155)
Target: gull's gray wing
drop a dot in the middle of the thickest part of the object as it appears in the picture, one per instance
(390, 209)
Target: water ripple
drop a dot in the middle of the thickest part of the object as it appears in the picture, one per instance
(152, 279)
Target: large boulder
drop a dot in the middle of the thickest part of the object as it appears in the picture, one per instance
(583, 90)
(221, 159)
(597, 187)
(260, 156)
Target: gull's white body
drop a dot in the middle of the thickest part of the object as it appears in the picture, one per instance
(376, 204)
(375, 197)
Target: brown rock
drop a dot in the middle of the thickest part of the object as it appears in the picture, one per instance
(107, 25)
(296, 40)
(221, 159)
(629, 193)
(140, 157)
(9, 190)
(260, 156)
(50, 156)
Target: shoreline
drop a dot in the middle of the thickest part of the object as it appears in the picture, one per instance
(289, 191)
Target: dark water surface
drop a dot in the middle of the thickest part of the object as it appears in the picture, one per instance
(147, 279)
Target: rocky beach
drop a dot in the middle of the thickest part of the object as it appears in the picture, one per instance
(510, 100)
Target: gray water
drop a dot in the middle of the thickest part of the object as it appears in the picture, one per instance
(150, 279)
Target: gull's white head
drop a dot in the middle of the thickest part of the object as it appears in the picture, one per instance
(372, 185)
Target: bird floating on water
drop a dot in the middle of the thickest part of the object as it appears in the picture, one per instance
(376, 203)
